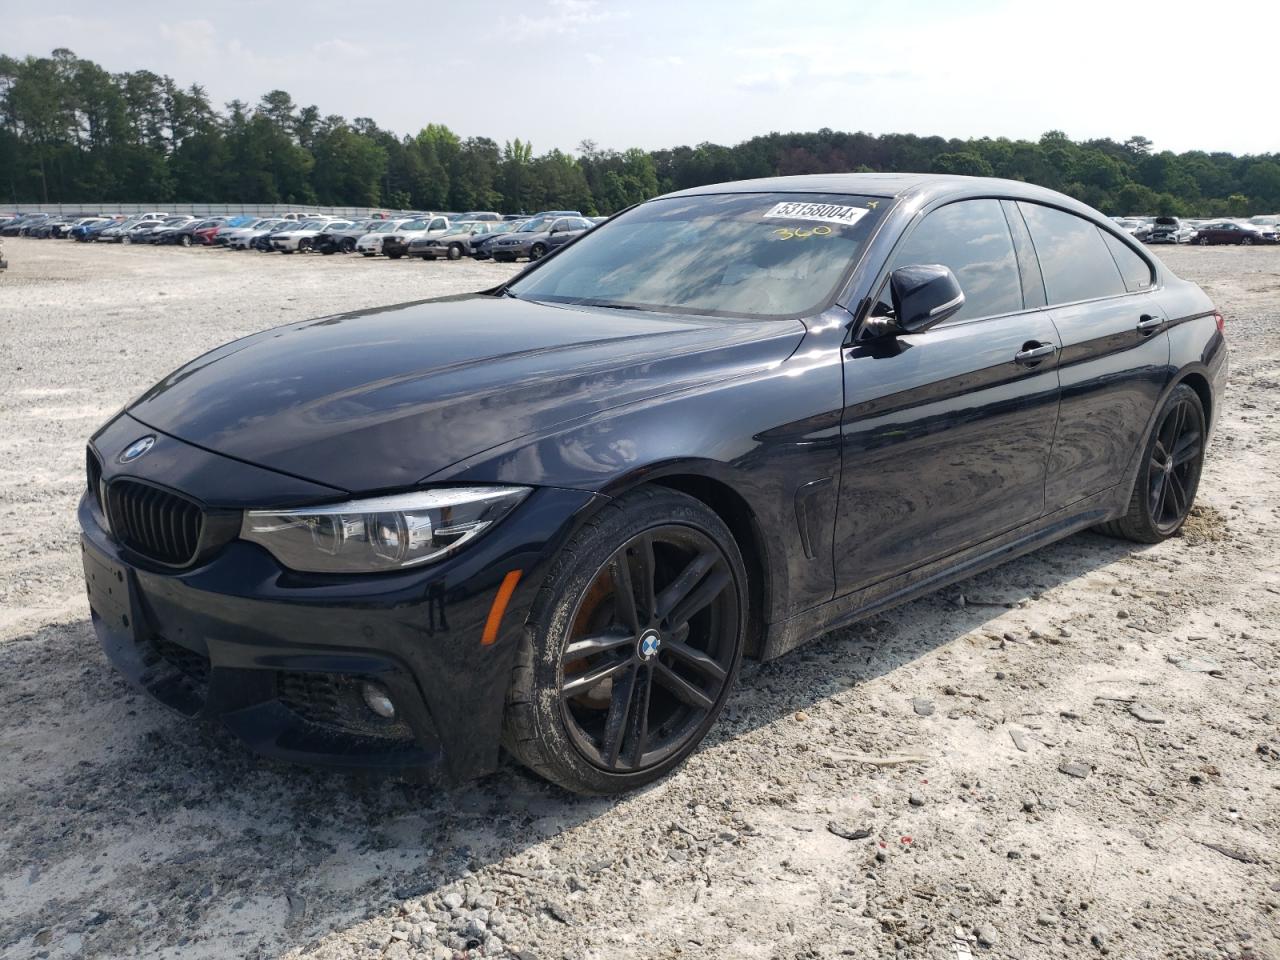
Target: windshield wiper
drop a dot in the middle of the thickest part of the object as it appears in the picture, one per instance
(607, 304)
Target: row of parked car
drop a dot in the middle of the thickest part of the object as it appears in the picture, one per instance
(481, 234)
(1259, 229)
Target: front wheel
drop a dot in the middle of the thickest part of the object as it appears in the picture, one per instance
(631, 646)
(1169, 475)
(538, 252)
(1203, 241)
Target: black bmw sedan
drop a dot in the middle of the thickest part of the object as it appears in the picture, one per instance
(556, 515)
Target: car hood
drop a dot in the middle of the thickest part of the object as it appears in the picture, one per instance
(384, 398)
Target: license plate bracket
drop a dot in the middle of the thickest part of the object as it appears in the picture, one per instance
(110, 589)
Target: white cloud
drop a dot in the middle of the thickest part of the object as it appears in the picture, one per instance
(562, 17)
(191, 39)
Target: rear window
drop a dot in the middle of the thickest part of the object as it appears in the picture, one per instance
(1074, 257)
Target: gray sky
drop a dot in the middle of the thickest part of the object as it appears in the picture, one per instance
(656, 73)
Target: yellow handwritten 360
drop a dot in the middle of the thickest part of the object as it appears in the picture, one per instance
(800, 233)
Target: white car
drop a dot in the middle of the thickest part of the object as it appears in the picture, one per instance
(300, 237)
(240, 237)
(371, 243)
(395, 244)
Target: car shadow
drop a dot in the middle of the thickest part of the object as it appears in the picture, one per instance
(127, 829)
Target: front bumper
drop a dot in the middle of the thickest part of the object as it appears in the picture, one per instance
(277, 657)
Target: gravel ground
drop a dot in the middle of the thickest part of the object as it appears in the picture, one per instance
(1075, 754)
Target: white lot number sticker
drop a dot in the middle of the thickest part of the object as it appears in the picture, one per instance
(818, 212)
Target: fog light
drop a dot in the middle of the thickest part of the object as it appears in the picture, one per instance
(377, 699)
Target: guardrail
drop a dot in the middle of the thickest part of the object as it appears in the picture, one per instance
(194, 209)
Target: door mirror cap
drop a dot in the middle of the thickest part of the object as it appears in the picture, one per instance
(924, 294)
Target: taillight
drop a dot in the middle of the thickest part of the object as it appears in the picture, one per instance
(1219, 320)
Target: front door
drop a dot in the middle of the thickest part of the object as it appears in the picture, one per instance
(946, 434)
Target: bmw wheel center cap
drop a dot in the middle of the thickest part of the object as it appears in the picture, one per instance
(650, 641)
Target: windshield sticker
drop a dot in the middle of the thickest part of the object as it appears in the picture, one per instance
(800, 233)
(820, 212)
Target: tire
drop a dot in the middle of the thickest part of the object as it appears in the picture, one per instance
(1163, 496)
(348, 245)
(656, 683)
(537, 252)
(1203, 241)
(304, 245)
(1246, 241)
(455, 251)
(128, 241)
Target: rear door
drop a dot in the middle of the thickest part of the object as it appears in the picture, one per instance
(1115, 351)
(946, 434)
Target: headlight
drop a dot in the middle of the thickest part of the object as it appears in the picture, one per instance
(382, 533)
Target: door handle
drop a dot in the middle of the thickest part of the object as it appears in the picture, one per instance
(1031, 354)
(1148, 324)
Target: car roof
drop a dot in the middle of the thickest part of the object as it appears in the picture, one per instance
(923, 186)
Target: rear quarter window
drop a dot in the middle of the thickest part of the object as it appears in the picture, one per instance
(1135, 270)
(1074, 257)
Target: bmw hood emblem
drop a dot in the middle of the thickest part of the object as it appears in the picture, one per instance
(136, 449)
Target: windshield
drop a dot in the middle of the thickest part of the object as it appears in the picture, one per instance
(536, 225)
(740, 255)
(388, 226)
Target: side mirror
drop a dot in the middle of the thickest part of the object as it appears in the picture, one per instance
(924, 294)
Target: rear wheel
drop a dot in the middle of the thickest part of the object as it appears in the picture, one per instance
(1167, 481)
(348, 244)
(1246, 241)
(455, 251)
(631, 647)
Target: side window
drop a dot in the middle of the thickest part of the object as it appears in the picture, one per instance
(439, 223)
(1135, 270)
(972, 238)
(1073, 256)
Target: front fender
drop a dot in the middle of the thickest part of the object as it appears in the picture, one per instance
(770, 436)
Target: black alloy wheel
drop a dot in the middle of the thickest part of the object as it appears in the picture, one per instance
(651, 649)
(633, 645)
(348, 244)
(1169, 474)
(1173, 472)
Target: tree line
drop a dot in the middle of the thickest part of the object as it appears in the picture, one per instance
(71, 131)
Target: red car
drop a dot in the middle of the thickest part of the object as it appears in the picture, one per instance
(205, 235)
(1225, 231)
